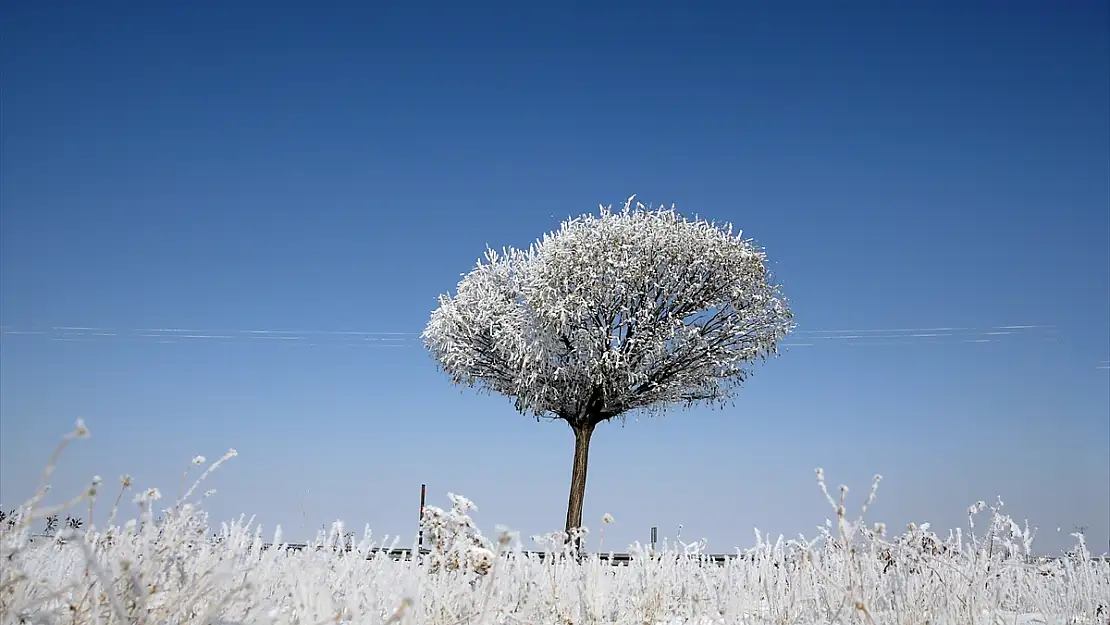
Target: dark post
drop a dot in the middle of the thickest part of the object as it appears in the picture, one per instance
(420, 540)
(653, 534)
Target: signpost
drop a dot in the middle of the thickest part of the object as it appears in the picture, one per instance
(420, 520)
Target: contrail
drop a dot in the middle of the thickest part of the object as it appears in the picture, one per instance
(187, 336)
(336, 332)
(881, 330)
(922, 330)
(391, 338)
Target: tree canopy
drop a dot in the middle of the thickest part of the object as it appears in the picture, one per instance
(634, 309)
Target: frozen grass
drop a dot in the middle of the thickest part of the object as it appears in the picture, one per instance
(174, 572)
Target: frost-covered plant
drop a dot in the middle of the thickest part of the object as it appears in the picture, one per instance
(147, 571)
(164, 571)
(634, 310)
(457, 543)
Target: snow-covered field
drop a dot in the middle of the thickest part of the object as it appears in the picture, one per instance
(174, 572)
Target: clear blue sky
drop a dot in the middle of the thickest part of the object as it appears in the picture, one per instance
(333, 169)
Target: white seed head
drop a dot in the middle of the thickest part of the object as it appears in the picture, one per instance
(81, 431)
(198, 460)
(607, 518)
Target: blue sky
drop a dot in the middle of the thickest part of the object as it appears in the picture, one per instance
(314, 171)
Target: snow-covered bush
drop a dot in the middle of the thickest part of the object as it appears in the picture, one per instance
(456, 541)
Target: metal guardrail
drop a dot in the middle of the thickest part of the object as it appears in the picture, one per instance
(616, 559)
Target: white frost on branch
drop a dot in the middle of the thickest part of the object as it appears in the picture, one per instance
(628, 310)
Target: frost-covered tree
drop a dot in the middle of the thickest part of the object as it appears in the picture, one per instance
(632, 310)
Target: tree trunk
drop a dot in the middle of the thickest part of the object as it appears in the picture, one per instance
(582, 434)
